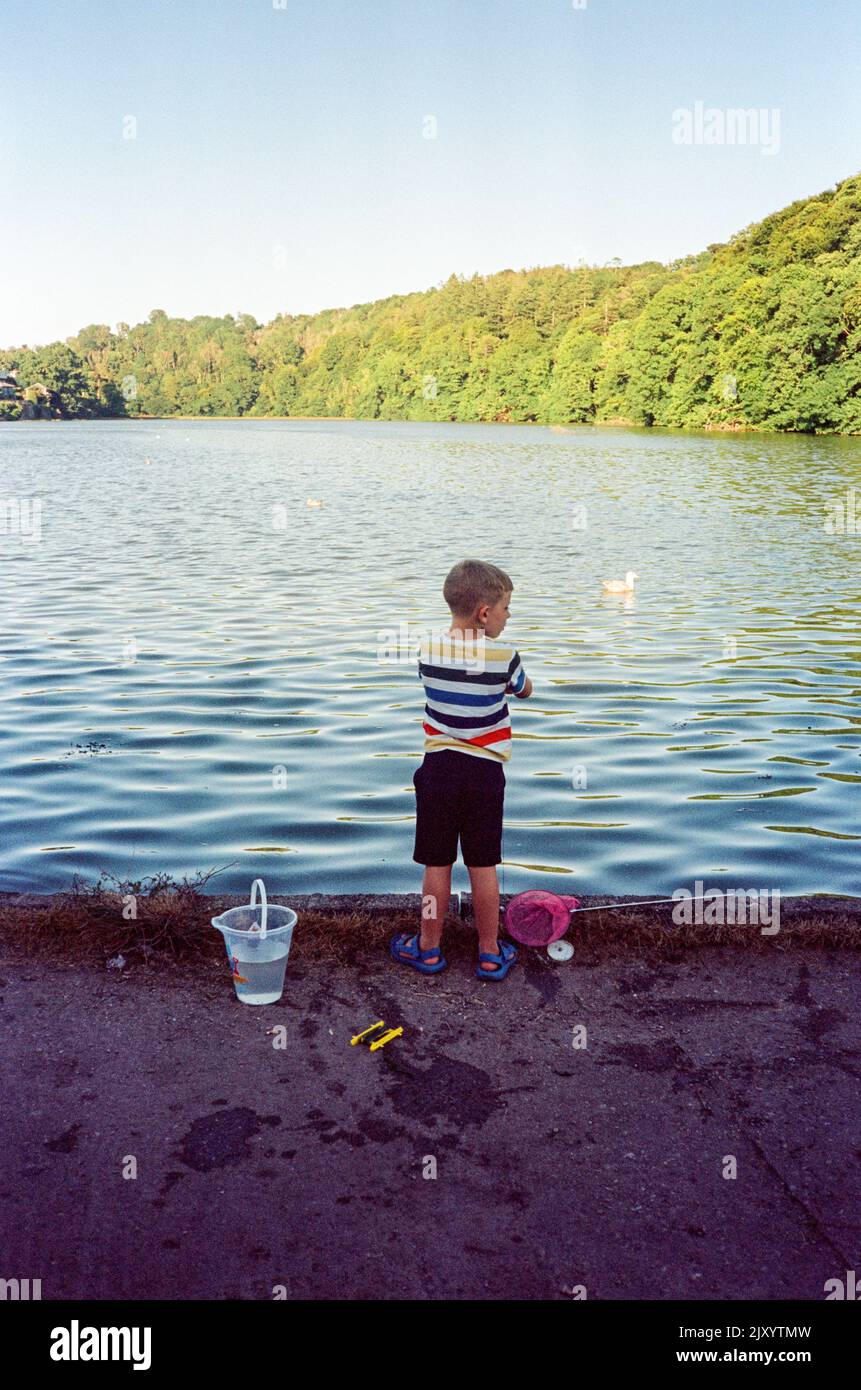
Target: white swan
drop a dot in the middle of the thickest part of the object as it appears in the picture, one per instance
(313, 502)
(620, 586)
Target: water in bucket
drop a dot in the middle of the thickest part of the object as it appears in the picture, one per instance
(257, 939)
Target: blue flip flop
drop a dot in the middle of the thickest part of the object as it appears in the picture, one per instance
(405, 948)
(506, 958)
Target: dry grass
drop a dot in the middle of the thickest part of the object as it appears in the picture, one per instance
(136, 919)
(642, 928)
(172, 923)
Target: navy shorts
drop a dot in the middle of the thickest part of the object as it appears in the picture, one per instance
(458, 794)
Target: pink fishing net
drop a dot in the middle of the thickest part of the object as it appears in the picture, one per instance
(536, 918)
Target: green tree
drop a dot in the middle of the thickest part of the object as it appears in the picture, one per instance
(60, 370)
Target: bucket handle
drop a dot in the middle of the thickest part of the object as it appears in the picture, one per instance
(263, 903)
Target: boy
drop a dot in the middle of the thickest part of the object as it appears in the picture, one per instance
(460, 785)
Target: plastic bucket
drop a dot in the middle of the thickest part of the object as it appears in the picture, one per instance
(257, 939)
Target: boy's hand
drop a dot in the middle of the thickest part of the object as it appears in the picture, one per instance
(525, 692)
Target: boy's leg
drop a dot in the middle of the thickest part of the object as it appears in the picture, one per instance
(436, 891)
(481, 841)
(485, 904)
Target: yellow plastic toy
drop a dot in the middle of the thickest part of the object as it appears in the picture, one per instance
(380, 1042)
(387, 1037)
(360, 1036)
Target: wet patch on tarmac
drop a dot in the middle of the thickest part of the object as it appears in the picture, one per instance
(384, 1006)
(652, 1057)
(169, 1180)
(449, 1089)
(818, 1021)
(801, 993)
(378, 1130)
(541, 975)
(65, 1143)
(217, 1140)
(329, 1132)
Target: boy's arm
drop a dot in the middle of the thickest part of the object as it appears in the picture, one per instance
(519, 683)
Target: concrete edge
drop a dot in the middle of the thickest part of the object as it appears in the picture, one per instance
(459, 904)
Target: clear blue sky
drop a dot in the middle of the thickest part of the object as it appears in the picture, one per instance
(280, 164)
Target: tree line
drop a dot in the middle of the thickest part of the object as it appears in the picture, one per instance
(761, 332)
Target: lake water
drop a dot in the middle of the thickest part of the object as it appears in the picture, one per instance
(190, 669)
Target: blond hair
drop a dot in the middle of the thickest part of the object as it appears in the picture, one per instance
(471, 583)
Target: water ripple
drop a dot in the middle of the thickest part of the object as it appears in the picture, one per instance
(190, 671)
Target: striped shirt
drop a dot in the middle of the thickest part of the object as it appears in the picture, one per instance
(466, 681)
